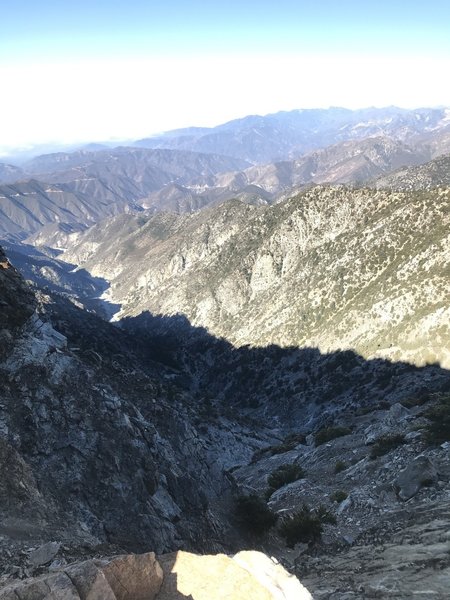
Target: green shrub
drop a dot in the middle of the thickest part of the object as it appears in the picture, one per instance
(325, 516)
(339, 467)
(386, 443)
(338, 496)
(284, 475)
(418, 400)
(254, 514)
(289, 443)
(438, 430)
(305, 525)
(330, 433)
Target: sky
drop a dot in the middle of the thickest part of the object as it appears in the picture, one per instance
(100, 70)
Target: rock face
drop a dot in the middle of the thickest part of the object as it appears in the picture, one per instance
(17, 301)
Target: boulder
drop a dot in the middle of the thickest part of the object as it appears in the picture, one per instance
(44, 554)
(272, 575)
(128, 577)
(246, 576)
(134, 576)
(421, 471)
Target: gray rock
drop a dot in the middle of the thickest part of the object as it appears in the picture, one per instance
(44, 554)
(421, 471)
(396, 413)
(344, 505)
(413, 435)
(128, 577)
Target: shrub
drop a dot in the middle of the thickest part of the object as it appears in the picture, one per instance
(339, 467)
(418, 400)
(386, 443)
(254, 514)
(338, 496)
(330, 433)
(305, 525)
(438, 430)
(289, 443)
(284, 475)
(325, 516)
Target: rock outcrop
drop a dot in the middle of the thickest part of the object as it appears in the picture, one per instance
(246, 576)
(419, 472)
(129, 577)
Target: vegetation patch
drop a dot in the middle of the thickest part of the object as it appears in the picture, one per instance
(282, 476)
(339, 467)
(289, 443)
(330, 433)
(254, 515)
(338, 496)
(418, 400)
(386, 443)
(438, 430)
(305, 525)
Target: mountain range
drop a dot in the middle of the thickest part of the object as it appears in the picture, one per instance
(288, 135)
(67, 190)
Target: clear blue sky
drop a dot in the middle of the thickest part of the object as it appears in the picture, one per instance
(111, 26)
(395, 52)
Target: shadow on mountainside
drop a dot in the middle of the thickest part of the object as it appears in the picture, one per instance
(298, 388)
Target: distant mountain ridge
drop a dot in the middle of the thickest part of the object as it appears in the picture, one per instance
(84, 187)
(288, 135)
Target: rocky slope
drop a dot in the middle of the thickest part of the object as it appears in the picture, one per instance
(98, 442)
(389, 489)
(368, 270)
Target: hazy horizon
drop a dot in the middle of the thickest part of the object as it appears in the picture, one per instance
(116, 71)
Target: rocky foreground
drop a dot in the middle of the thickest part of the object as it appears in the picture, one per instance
(245, 576)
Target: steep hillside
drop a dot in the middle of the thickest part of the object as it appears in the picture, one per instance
(330, 268)
(155, 435)
(99, 444)
(354, 161)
